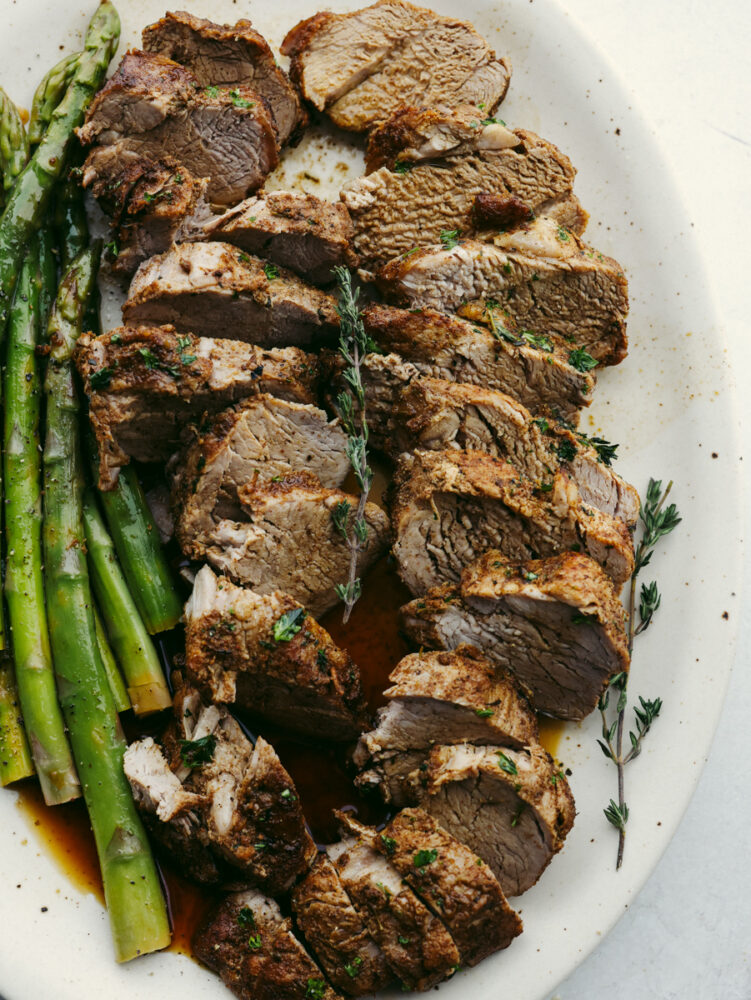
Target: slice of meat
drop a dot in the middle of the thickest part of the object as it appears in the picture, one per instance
(438, 698)
(289, 542)
(497, 357)
(146, 383)
(308, 235)
(432, 166)
(556, 624)
(248, 942)
(265, 654)
(151, 202)
(216, 290)
(360, 67)
(238, 812)
(336, 933)
(451, 506)
(416, 945)
(263, 436)
(435, 414)
(450, 697)
(153, 106)
(513, 808)
(545, 277)
(453, 882)
(227, 55)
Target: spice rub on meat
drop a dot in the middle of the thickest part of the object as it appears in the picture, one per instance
(266, 654)
(288, 540)
(216, 290)
(223, 807)
(555, 624)
(449, 507)
(155, 107)
(146, 383)
(543, 276)
(440, 170)
(252, 946)
(226, 55)
(359, 67)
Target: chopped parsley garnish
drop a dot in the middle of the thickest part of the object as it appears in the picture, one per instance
(246, 917)
(288, 795)
(402, 167)
(389, 843)
(240, 102)
(316, 989)
(194, 753)
(404, 940)
(484, 713)
(506, 764)
(384, 889)
(517, 815)
(530, 577)
(322, 658)
(562, 234)
(542, 423)
(101, 379)
(271, 271)
(606, 451)
(566, 451)
(353, 969)
(558, 776)
(254, 942)
(493, 121)
(288, 625)
(212, 91)
(450, 238)
(579, 619)
(243, 258)
(425, 857)
(537, 340)
(112, 248)
(581, 360)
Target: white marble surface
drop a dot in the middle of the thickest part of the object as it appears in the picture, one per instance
(687, 65)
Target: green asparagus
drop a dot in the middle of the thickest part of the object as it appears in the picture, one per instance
(133, 648)
(48, 95)
(114, 677)
(136, 906)
(14, 145)
(29, 201)
(15, 758)
(24, 587)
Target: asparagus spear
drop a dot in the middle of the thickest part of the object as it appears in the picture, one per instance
(48, 95)
(15, 758)
(134, 649)
(24, 587)
(29, 200)
(114, 677)
(137, 911)
(14, 145)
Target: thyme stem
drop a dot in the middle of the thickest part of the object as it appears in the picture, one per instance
(657, 523)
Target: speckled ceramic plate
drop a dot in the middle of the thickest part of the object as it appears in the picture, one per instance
(670, 407)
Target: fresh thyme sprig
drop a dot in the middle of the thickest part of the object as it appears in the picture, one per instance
(354, 344)
(657, 521)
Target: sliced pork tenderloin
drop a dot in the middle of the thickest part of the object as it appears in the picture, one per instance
(435, 414)
(513, 808)
(336, 933)
(427, 170)
(306, 234)
(453, 882)
(444, 698)
(216, 290)
(154, 107)
(556, 624)
(359, 67)
(146, 383)
(544, 276)
(151, 202)
(238, 813)
(261, 437)
(248, 942)
(451, 506)
(416, 945)
(500, 357)
(288, 540)
(267, 655)
(227, 55)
